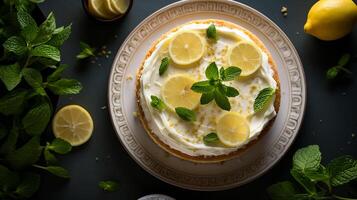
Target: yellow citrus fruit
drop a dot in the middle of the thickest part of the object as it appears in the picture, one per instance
(110, 8)
(176, 92)
(246, 56)
(74, 124)
(120, 6)
(186, 48)
(232, 129)
(331, 19)
(99, 9)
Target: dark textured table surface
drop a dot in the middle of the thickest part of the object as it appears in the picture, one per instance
(330, 117)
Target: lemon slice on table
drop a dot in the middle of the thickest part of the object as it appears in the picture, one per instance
(99, 9)
(74, 124)
(232, 129)
(176, 92)
(186, 48)
(110, 8)
(120, 6)
(246, 56)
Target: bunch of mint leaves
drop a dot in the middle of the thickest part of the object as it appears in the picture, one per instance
(30, 74)
(315, 180)
(213, 88)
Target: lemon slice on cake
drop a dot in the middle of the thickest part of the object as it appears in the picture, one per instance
(176, 92)
(73, 124)
(186, 47)
(246, 56)
(232, 129)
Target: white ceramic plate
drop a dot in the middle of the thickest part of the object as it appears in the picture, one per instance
(249, 165)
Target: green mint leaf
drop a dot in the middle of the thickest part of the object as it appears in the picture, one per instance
(344, 59)
(36, 120)
(211, 32)
(263, 98)
(206, 98)
(210, 139)
(55, 170)
(305, 182)
(34, 78)
(321, 174)
(164, 65)
(307, 158)
(282, 191)
(221, 99)
(16, 45)
(342, 170)
(61, 36)
(29, 185)
(65, 86)
(60, 146)
(22, 5)
(230, 73)
(157, 103)
(186, 114)
(9, 144)
(332, 73)
(13, 102)
(109, 186)
(37, 1)
(86, 51)
(50, 157)
(46, 30)
(25, 19)
(47, 51)
(8, 179)
(203, 87)
(10, 75)
(212, 71)
(56, 75)
(26, 155)
(29, 33)
(231, 91)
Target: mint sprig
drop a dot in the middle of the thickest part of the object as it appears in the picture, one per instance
(157, 103)
(263, 99)
(318, 181)
(213, 88)
(109, 186)
(210, 138)
(211, 32)
(86, 51)
(186, 114)
(332, 72)
(164, 65)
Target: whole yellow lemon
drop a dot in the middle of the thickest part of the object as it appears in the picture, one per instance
(331, 19)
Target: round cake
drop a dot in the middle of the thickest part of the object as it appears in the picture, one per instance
(207, 91)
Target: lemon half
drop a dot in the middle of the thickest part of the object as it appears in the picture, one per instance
(246, 56)
(232, 129)
(74, 124)
(176, 92)
(186, 47)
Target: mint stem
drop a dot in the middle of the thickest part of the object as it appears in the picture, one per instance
(38, 166)
(27, 61)
(341, 198)
(344, 69)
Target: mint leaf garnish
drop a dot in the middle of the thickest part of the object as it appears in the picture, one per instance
(211, 32)
(36, 120)
(47, 51)
(186, 114)
(109, 186)
(213, 88)
(26, 155)
(157, 103)
(210, 139)
(65, 86)
(316, 180)
(307, 158)
(59, 146)
(60, 37)
(16, 45)
(28, 186)
(164, 65)
(86, 51)
(55, 170)
(332, 72)
(263, 98)
(10, 75)
(212, 71)
(342, 170)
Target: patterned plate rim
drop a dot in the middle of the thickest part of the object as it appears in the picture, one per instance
(297, 103)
